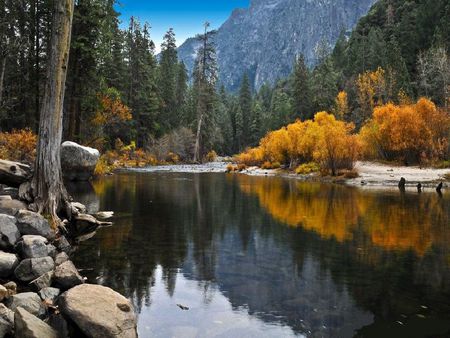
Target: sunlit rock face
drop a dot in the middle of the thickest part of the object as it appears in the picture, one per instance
(264, 39)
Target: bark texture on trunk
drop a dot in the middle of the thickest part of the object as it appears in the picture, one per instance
(2, 78)
(47, 186)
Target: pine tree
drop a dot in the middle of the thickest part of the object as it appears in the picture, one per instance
(205, 78)
(301, 91)
(245, 106)
(167, 81)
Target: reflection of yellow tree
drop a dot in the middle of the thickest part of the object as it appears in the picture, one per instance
(388, 221)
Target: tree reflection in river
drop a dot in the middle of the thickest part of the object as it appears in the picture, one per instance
(325, 260)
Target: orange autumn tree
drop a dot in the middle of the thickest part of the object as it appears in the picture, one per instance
(324, 140)
(412, 133)
(110, 116)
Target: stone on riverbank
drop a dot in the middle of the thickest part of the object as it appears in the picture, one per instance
(9, 233)
(6, 320)
(32, 246)
(11, 207)
(99, 311)
(49, 293)
(61, 258)
(43, 281)
(32, 268)
(30, 301)
(67, 276)
(29, 326)
(8, 263)
(31, 223)
(78, 162)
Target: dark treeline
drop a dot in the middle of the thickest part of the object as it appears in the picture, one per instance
(113, 70)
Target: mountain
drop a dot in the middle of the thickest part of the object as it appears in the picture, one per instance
(264, 39)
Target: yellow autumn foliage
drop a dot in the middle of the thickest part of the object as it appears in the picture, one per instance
(412, 133)
(324, 140)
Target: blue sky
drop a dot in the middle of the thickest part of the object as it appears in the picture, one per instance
(186, 17)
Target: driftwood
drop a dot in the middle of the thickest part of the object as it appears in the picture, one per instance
(13, 174)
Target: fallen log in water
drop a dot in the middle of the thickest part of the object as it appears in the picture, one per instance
(13, 174)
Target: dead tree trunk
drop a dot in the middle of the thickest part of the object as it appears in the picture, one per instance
(2, 78)
(47, 187)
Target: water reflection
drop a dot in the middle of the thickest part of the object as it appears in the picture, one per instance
(265, 256)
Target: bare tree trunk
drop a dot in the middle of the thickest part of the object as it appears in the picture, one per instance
(47, 186)
(197, 139)
(2, 78)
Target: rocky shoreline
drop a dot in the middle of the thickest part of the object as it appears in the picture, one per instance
(42, 294)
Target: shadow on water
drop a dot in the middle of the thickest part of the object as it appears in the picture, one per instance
(271, 256)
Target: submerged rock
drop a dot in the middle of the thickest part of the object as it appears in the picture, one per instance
(99, 311)
(78, 162)
(29, 326)
(30, 301)
(67, 276)
(32, 268)
(8, 263)
(9, 233)
(31, 223)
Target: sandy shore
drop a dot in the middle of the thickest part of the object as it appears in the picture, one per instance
(371, 173)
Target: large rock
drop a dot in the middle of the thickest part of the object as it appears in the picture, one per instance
(32, 246)
(6, 320)
(10, 207)
(31, 223)
(32, 268)
(78, 162)
(29, 326)
(67, 276)
(8, 263)
(30, 301)
(9, 233)
(99, 311)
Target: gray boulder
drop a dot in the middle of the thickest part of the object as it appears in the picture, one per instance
(67, 276)
(63, 244)
(78, 162)
(6, 320)
(43, 281)
(8, 263)
(49, 293)
(52, 251)
(99, 311)
(30, 301)
(32, 246)
(32, 268)
(61, 258)
(29, 326)
(10, 207)
(9, 233)
(31, 223)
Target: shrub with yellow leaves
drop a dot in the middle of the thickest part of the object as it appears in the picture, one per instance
(18, 145)
(412, 133)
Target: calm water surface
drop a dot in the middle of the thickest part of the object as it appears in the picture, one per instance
(271, 257)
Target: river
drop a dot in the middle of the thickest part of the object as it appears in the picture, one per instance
(270, 257)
